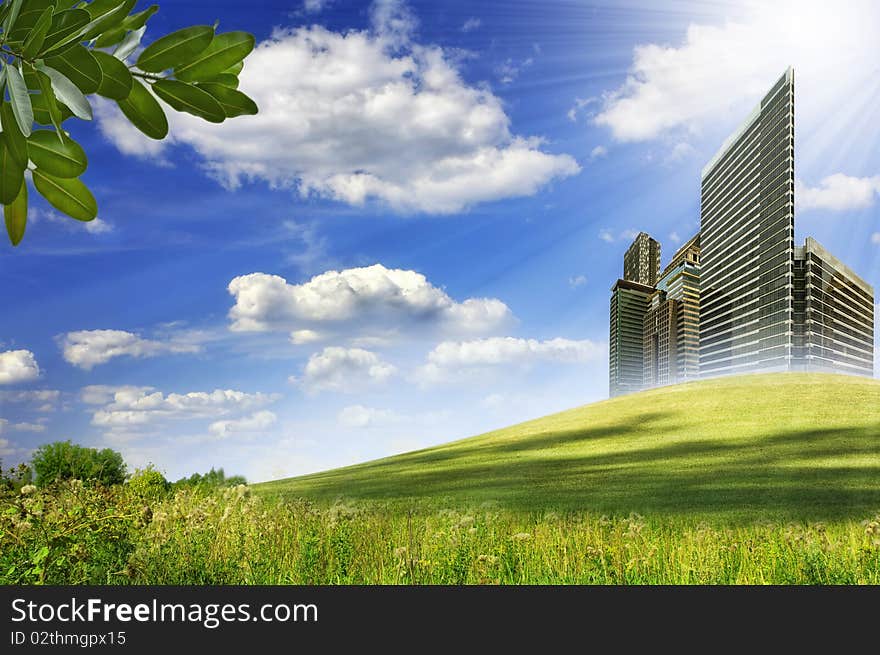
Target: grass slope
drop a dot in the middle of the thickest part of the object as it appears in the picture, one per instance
(754, 447)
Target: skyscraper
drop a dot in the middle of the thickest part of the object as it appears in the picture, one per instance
(833, 312)
(641, 263)
(629, 301)
(672, 321)
(747, 242)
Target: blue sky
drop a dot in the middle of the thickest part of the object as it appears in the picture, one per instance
(415, 239)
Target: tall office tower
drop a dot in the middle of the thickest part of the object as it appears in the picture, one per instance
(747, 242)
(641, 263)
(629, 302)
(833, 314)
(672, 321)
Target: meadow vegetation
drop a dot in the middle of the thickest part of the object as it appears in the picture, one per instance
(605, 494)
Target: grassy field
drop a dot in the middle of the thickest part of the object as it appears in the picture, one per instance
(736, 450)
(750, 480)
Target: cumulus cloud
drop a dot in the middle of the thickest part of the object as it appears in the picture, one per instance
(450, 359)
(255, 423)
(25, 427)
(32, 396)
(576, 281)
(722, 66)
(315, 6)
(598, 152)
(838, 192)
(138, 406)
(361, 116)
(357, 299)
(18, 366)
(7, 448)
(344, 369)
(89, 348)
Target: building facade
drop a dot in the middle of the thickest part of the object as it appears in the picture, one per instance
(629, 303)
(834, 314)
(672, 321)
(747, 243)
(641, 263)
(740, 297)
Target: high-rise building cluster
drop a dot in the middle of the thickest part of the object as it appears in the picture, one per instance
(739, 296)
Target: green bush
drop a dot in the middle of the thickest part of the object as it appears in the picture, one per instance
(148, 484)
(63, 460)
(213, 479)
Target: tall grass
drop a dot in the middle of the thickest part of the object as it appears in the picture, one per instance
(234, 537)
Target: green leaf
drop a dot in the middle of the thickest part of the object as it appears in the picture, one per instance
(110, 37)
(47, 110)
(98, 8)
(144, 111)
(11, 174)
(65, 25)
(20, 98)
(116, 80)
(12, 16)
(67, 92)
(34, 40)
(190, 99)
(107, 20)
(175, 49)
(80, 67)
(70, 197)
(235, 69)
(12, 134)
(61, 157)
(24, 25)
(49, 103)
(224, 51)
(129, 44)
(233, 102)
(15, 214)
(138, 20)
(226, 79)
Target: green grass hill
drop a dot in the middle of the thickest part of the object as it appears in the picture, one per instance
(741, 449)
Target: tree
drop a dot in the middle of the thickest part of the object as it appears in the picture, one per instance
(63, 460)
(55, 53)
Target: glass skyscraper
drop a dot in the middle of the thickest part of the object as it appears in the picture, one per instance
(747, 242)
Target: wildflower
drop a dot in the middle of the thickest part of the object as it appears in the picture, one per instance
(28, 489)
(522, 536)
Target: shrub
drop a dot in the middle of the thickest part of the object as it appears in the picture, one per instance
(148, 484)
(63, 460)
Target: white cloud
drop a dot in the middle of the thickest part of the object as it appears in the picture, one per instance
(598, 151)
(576, 281)
(358, 299)
(727, 65)
(609, 236)
(27, 427)
(138, 406)
(358, 416)
(673, 236)
(510, 69)
(94, 226)
(451, 359)
(255, 423)
(18, 366)
(32, 396)
(365, 115)
(302, 337)
(88, 348)
(7, 448)
(471, 24)
(580, 105)
(344, 369)
(875, 238)
(838, 192)
(100, 394)
(314, 6)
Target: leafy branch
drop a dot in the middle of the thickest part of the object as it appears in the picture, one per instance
(56, 53)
